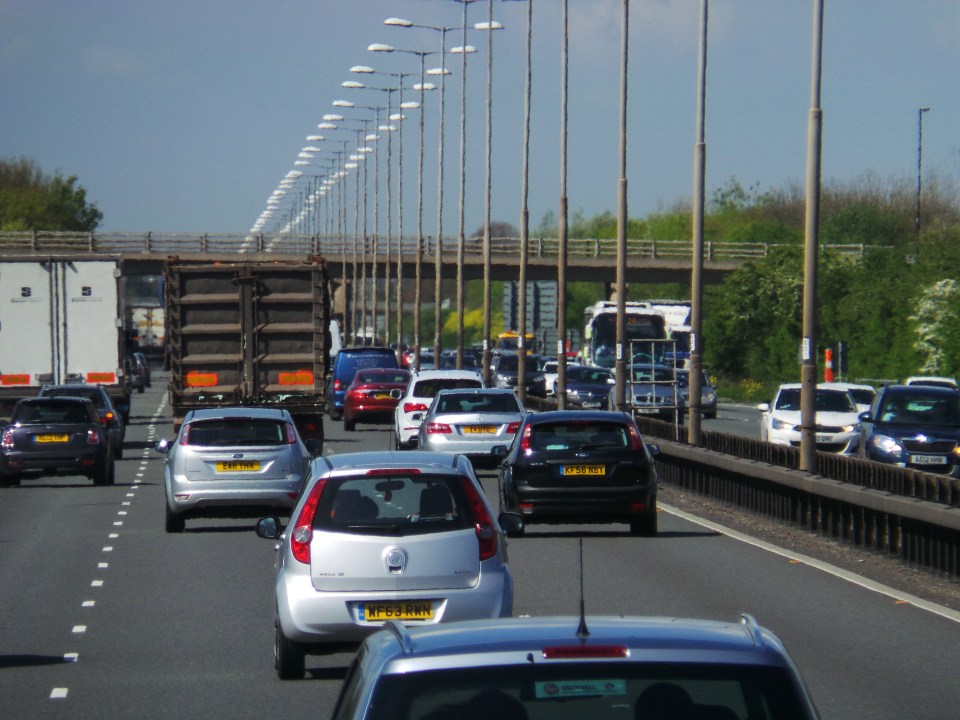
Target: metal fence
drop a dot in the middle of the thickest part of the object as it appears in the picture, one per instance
(41, 242)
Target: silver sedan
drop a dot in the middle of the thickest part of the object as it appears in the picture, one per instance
(472, 422)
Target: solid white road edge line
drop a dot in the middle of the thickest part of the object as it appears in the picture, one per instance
(846, 575)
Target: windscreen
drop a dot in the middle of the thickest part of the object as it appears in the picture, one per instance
(477, 403)
(429, 388)
(236, 433)
(573, 435)
(600, 691)
(919, 410)
(394, 505)
(49, 413)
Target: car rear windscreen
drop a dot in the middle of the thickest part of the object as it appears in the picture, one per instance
(573, 435)
(50, 413)
(429, 388)
(236, 433)
(476, 403)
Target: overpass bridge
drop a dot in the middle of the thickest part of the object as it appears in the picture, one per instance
(588, 259)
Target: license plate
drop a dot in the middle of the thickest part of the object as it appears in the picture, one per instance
(53, 438)
(381, 396)
(238, 466)
(824, 438)
(381, 612)
(583, 470)
(479, 429)
(928, 459)
(592, 404)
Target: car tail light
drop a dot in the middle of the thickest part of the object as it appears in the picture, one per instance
(486, 532)
(435, 428)
(291, 434)
(302, 532)
(356, 393)
(513, 427)
(185, 435)
(414, 407)
(525, 439)
(337, 385)
(636, 442)
(561, 652)
(7, 442)
(93, 437)
(394, 471)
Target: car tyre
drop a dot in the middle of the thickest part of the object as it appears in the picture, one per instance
(174, 523)
(104, 476)
(645, 525)
(289, 658)
(10, 481)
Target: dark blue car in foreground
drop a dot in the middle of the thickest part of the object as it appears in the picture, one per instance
(914, 426)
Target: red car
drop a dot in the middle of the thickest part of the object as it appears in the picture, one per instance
(373, 395)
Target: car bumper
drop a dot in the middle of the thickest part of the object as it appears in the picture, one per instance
(588, 505)
(479, 452)
(14, 463)
(196, 497)
(840, 443)
(312, 617)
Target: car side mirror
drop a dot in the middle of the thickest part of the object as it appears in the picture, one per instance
(499, 451)
(653, 449)
(269, 528)
(866, 417)
(512, 524)
(163, 446)
(763, 407)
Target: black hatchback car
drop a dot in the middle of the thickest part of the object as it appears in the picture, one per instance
(55, 436)
(98, 395)
(580, 467)
(914, 426)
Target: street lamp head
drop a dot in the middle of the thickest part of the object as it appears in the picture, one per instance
(371, 137)
(314, 138)
(396, 116)
(924, 109)
(305, 155)
(462, 50)
(342, 103)
(352, 84)
(488, 26)
(380, 47)
(438, 71)
(400, 22)
(300, 162)
(310, 149)
(326, 126)
(333, 118)
(362, 69)
(409, 105)
(422, 87)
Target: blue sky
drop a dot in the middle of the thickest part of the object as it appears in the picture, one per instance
(185, 115)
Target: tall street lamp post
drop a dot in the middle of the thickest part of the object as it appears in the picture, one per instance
(620, 393)
(524, 223)
(561, 393)
(920, 113)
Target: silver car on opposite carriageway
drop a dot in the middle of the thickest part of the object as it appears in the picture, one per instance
(233, 462)
(475, 422)
(381, 536)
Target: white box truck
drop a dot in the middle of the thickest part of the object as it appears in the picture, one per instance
(61, 321)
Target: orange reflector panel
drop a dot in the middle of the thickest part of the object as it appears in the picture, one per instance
(14, 379)
(101, 377)
(201, 379)
(298, 377)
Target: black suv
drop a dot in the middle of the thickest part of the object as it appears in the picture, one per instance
(55, 436)
(345, 367)
(914, 426)
(98, 395)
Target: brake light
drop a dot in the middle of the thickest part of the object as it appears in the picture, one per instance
(291, 434)
(394, 471)
(356, 393)
(525, 439)
(636, 442)
(513, 427)
(7, 442)
(303, 528)
(435, 428)
(414, 407)
(93, 437)
(185, 435)
(561, 652)
(486, 532)
(338, 385)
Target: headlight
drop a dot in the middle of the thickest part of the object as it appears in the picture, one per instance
(708, 398)
(887, 445)
(851, 428)
(571, 392)
(778, 424)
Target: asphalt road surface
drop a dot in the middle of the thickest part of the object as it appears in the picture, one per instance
(104, 615)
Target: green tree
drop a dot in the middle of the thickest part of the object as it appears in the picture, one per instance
(30, 200)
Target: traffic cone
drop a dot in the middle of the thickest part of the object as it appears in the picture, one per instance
(828, 365)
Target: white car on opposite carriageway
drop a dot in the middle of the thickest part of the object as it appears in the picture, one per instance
(837, 418)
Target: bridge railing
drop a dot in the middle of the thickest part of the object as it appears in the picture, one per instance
(44, 242)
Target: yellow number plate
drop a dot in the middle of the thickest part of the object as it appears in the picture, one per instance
(238, 466)
(381, 396)
(381, 612)
(53, 438)
(584, 470)
(479, 429)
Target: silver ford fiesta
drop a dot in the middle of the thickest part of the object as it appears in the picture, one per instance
(378, 536)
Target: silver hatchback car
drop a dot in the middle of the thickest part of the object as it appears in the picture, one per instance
(233, 462)
(568, 668)
(384, 536)
(474, 422)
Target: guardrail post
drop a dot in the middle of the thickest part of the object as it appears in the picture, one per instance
(709, 249)
(596, 247)
(33, 240)
(91, 242)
